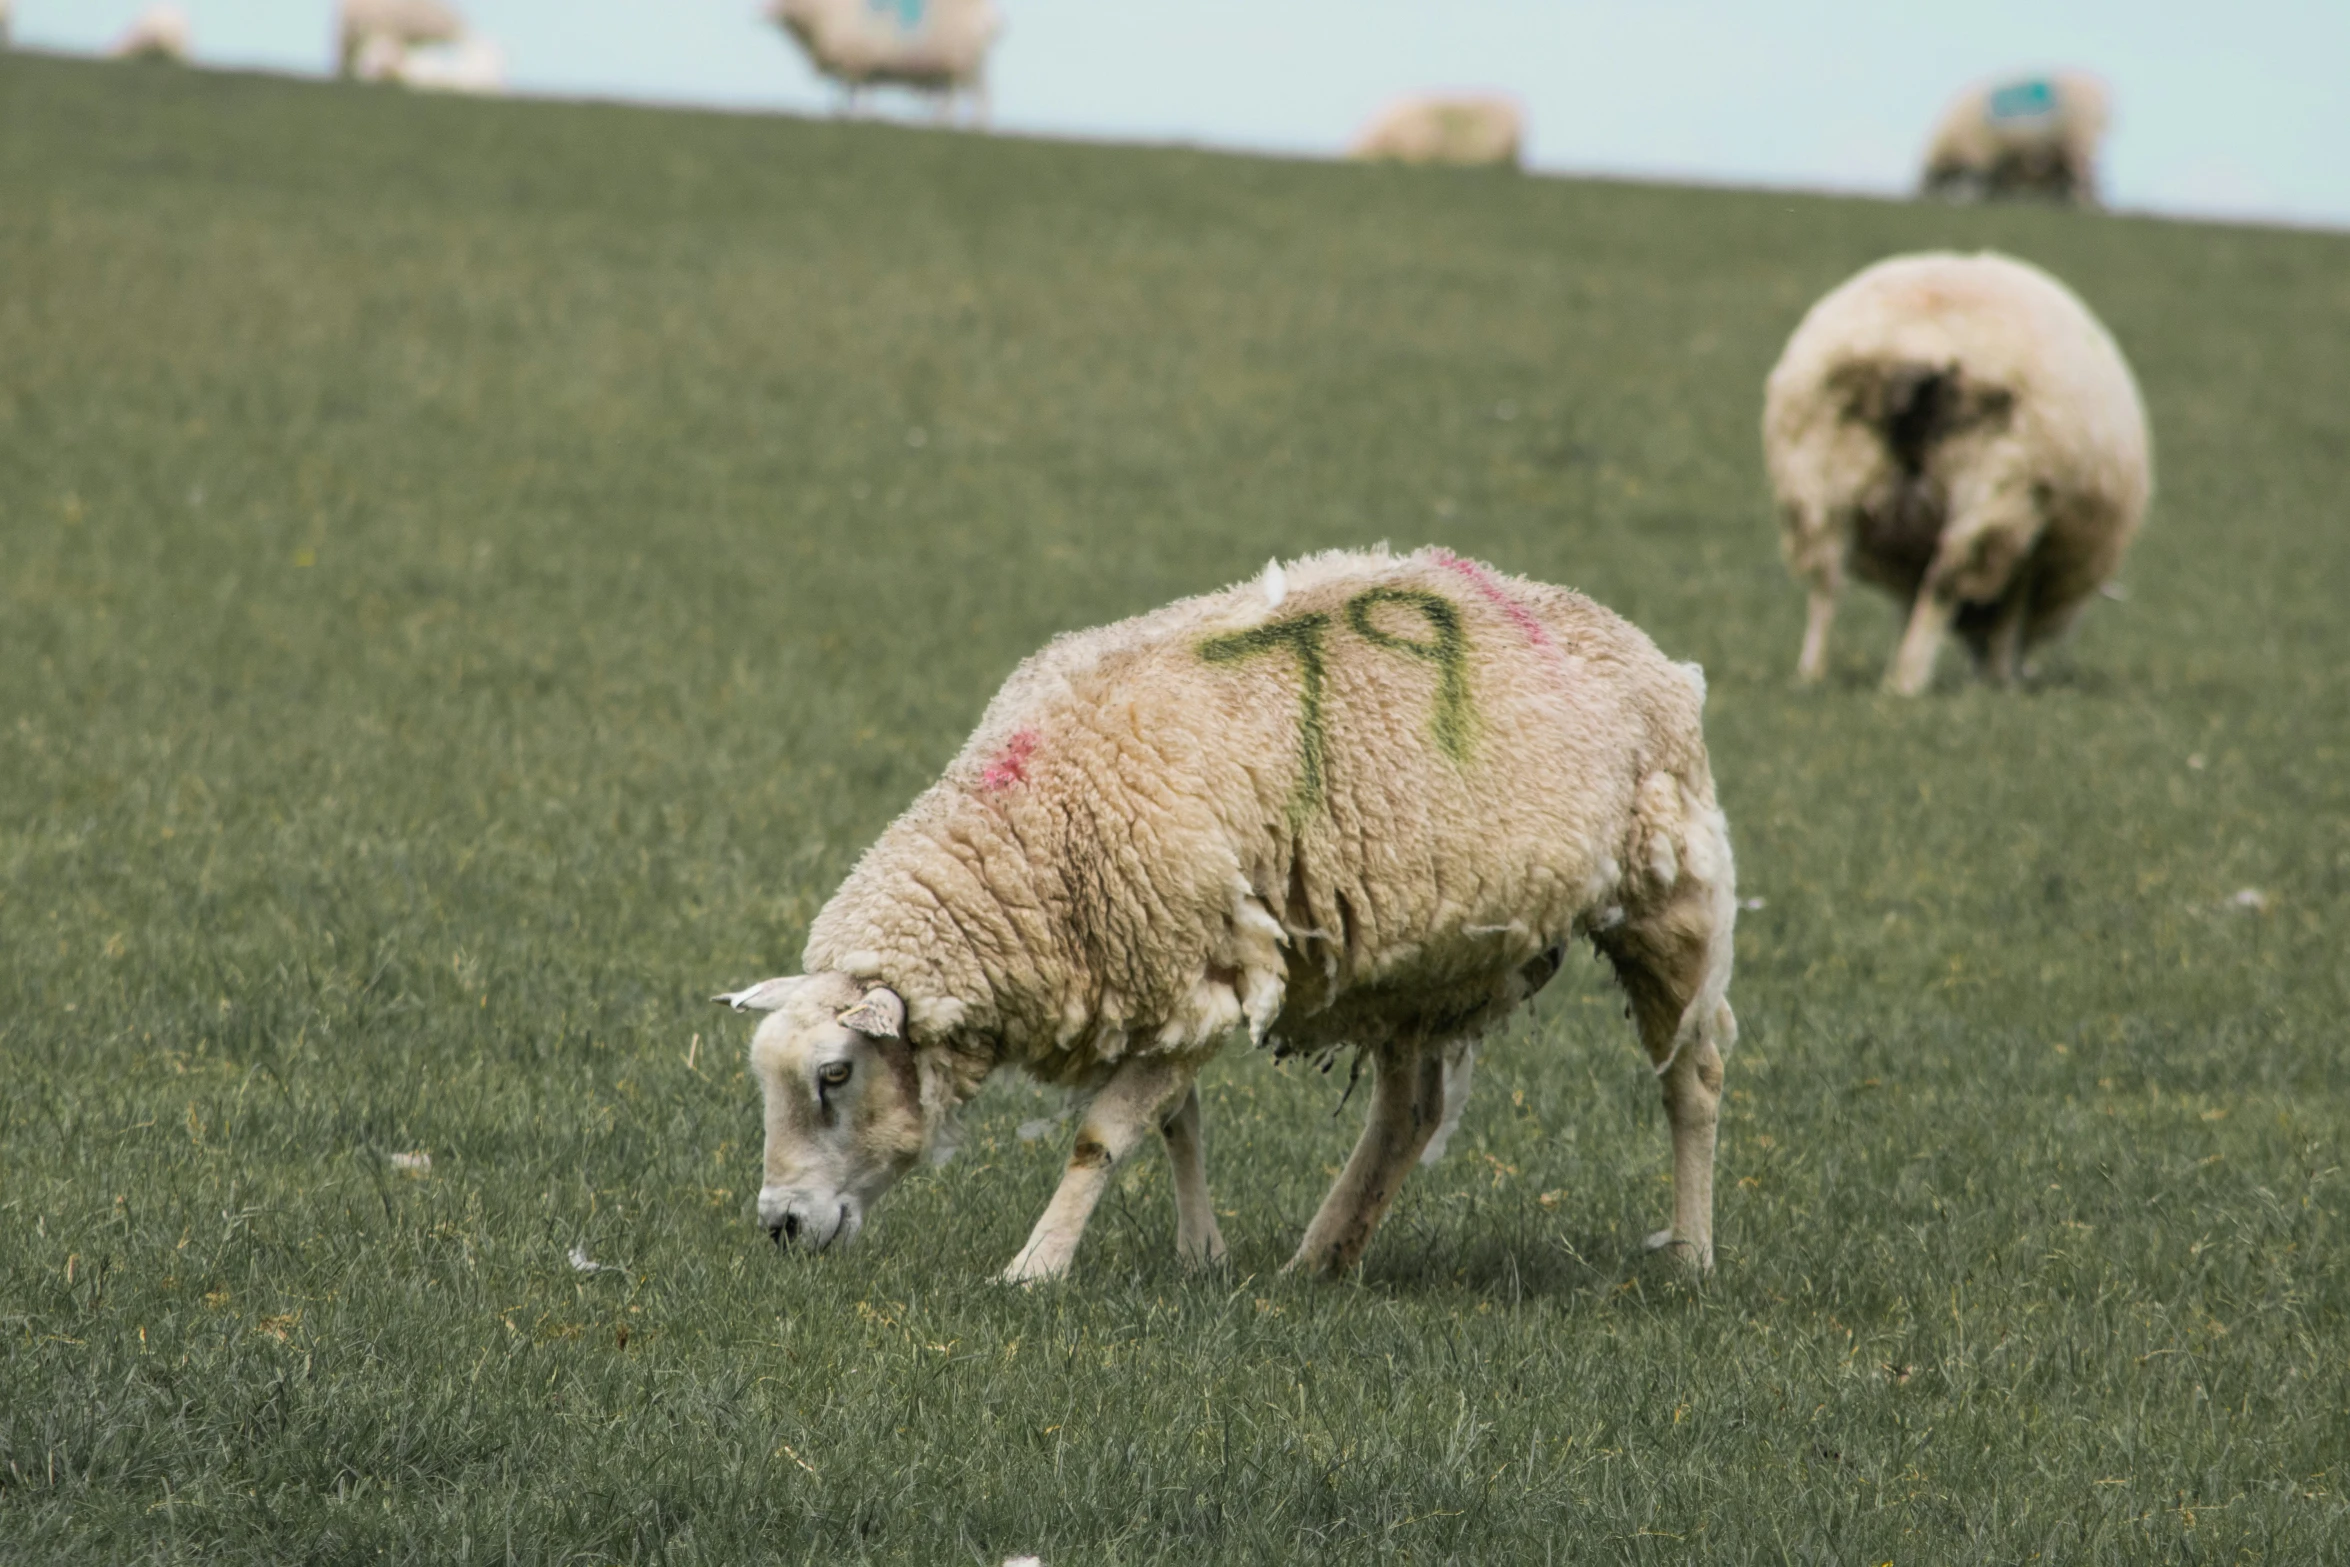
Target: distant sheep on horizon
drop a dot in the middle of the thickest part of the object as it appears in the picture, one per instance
(473, 64)
(2030, 136)
(1458, 128)
(161, 32)
(935, 46)
(371, 36)
(1961, 431)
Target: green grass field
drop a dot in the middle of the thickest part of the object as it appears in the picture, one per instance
(473, 575)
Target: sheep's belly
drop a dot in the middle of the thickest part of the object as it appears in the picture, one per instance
(1462, 986)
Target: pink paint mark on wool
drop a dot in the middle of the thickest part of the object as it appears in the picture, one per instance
(1482, 580)
(1011, 763)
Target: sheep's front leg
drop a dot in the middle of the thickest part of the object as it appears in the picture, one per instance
(1128, 1106)
(1407, 1102)
(1197, 1240)
(1921, 643)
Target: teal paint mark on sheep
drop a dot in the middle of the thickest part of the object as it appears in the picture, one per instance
(1453, 723)
(1302, 636)
(907, 13)
(2027, 100)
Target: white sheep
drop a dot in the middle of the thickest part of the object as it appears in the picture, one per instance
(1364, 802)
(935, 46)
(1465, 128)
(1961, 431)
(473, 64)
(2031, 136)
(373, 37)
(161, 32)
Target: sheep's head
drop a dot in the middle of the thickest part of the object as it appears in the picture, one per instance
(844, 1102)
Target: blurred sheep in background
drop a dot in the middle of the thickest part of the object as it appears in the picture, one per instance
(2032, 136)
(1962, 432)
(375, 32)
(473, 64)
(935, 46)
(1466, 128)
(416, 43)
(160, 33)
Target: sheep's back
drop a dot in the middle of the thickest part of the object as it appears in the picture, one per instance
(2004, 324)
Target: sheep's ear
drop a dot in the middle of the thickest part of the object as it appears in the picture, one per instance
(881, 1015)
(765, 996)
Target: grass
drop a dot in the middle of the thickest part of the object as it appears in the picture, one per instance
(473, 575)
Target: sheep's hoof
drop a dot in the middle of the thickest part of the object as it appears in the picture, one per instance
(1200, 1259)
(1308, 1266)
(1698, 1263)
(1024, 1274)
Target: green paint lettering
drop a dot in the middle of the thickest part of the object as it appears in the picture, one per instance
(1453, 722)
(1303, 637)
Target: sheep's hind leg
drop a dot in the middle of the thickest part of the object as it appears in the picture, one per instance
(1197, 1240)
(1674, 968)
(1693, 1096)
(1128, 1106)
(1819, 616)
(1921, 643)
(2003, 648)
(1460, 1069)
(1407, 1102)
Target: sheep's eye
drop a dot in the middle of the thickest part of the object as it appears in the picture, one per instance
(833, 1073)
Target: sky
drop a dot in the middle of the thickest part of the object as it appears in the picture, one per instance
(2239, 110)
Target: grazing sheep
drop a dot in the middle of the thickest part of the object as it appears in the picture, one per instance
(1364, 803)
(373, 37)
(161, 32)
(2035, 136)
(1962, 432)
(1463, 129)
(935, 46)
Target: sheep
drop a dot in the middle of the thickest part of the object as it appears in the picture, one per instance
(160, 32)
(1961, 431)
(1363, 802)
(473, 64)
(373, 37)
(2035, 136)
(934, 46)
(1469, 128)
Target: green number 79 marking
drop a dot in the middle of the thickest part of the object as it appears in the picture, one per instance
(1452, 723)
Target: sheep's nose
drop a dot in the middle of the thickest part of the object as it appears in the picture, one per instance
(788, 1230)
